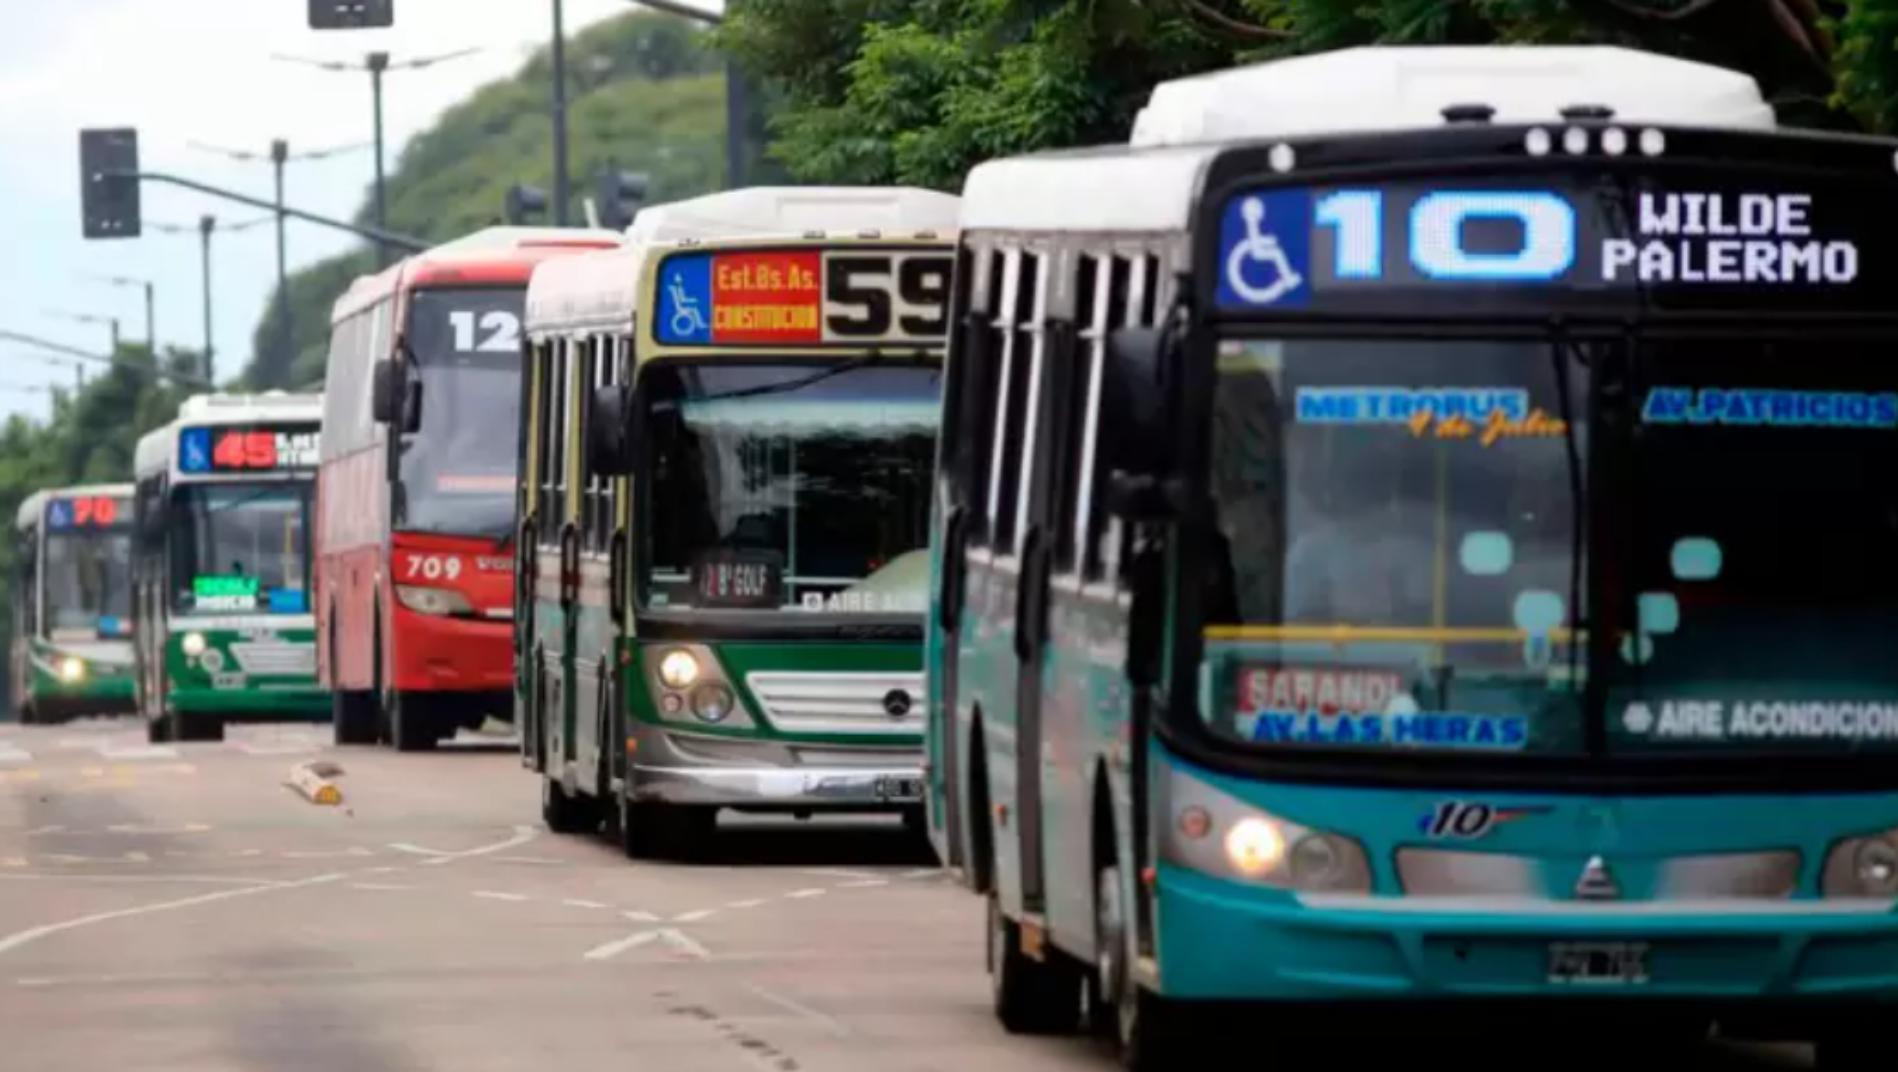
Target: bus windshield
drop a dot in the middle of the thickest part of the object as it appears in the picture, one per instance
(1398, 560)
(241, 548)
(1760, 578)
(790, 486)
(458, 466)
(88, 584)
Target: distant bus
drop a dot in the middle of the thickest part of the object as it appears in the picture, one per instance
(724, 603)
(72, 617)
(221, 569)
(414, 555)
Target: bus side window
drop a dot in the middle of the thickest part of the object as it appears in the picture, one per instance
(1022, 297)
(979, 384)
(599, 372)
(553, 405)
(1092, 277)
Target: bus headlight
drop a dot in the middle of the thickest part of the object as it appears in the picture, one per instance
(434, 601)
(678, 669)
(192, 644)
(712, 702)
(1862, 867)
(72, 670)
(1215, 833)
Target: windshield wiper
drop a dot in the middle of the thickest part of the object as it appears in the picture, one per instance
(1562, 352)
(874, 357)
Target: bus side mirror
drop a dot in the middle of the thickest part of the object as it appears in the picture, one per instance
(382, 392)
(610, 435)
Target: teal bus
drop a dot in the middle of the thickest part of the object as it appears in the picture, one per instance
(728, 433)
(221, 568)
(72, 616)
(1415, 528)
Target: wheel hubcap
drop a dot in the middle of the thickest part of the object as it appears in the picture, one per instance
(1110, 936)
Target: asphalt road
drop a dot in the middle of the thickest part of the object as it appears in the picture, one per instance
(177, 908)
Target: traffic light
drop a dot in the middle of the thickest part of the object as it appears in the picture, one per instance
(619, 194)
(108, 182)
(524, 201)
(351, 14)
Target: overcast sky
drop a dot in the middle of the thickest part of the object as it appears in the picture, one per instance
(185, 71)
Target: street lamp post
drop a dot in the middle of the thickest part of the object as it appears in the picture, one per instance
(279, 155)
(207, 225)
(562, 191)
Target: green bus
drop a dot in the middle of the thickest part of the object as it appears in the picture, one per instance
(72, 620)
(221, 569)
(728, 428)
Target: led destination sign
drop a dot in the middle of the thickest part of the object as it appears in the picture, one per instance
(1703, 243)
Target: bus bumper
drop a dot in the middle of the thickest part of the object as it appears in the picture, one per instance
(271, 703)
(676, 768)
(1221, 940)
(437, 654)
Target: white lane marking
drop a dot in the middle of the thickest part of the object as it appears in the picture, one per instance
(826, 1021)
(497, 895)
(521, 836)
(921, 872)
(325, 854)
(11, 755)
(248, 852)
(437, 861)
(575, 902)
(17, 939)
(141, 828)
(200, 880)
(863, 884)
(608, 950)
(74, 858)
(835, 872)
(383, 870)
(67, 744)
(379, 886)
(640, 917)
(753, 903)
(536, 861)
(137, 751)
(799, 894)
(678, 940)
(40, 831)
(693, 917)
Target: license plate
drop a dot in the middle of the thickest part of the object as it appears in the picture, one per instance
(899, 788)
(1598, 963)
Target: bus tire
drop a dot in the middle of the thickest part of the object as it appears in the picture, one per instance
(1032, 997)
(564, 812)
(354, 716)
(637, 829)
(158, 730)
(1151, 1038)
(411, 724)
(196, 727)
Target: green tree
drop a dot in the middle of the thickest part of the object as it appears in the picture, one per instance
(880, 91)
(644, 95)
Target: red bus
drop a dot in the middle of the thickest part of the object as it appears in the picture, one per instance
(415, 492)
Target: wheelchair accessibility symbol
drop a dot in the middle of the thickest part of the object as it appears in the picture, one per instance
(1264, 250)
(1274, 277)
(687, 318)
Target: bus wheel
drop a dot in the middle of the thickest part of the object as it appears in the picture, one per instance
(411, 724)
(1032, 997)
(637, 830)
(198, 728)
(354, 716)
(158, 730)
(564, 812)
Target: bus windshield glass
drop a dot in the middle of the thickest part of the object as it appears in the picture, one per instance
(88, 584)
(1760, 580)
(1398, 564)
(241, 548)
(458, 466)
(795, 486)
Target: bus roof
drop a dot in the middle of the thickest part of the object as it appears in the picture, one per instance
(1150, 185)
(32, 506)
(492, 256)
(600, 290)
(153, 454)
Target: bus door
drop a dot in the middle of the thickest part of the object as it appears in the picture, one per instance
(1023, 499)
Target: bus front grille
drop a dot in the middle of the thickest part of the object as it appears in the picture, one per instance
(819, 702)
(262, 657)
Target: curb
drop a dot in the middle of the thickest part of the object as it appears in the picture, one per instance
(312, 782)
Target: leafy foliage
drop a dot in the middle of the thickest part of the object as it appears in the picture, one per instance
(643, 95)
(876, 91)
